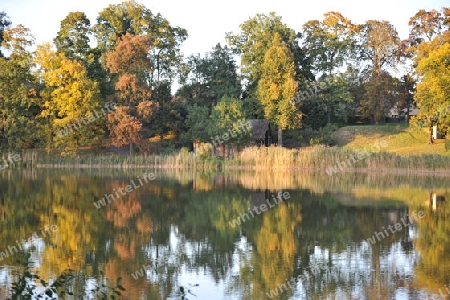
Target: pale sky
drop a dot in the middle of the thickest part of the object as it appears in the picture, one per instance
(208, 21)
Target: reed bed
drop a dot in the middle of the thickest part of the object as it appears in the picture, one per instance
(254, 158)
(178, 161)
(339, 159)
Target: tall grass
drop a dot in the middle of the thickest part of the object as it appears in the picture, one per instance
(319, 157)
(180, 160)
(316, 157)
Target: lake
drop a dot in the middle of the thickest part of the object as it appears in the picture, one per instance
(244, 235)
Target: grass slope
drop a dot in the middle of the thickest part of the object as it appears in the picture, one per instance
(400, 139)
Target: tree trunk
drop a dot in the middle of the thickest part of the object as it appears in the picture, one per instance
(407, 109)
(328, 115)
(430, 137)
(280, 137)
(131, 148)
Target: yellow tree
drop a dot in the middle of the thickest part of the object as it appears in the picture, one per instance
(433, 92)
(70, 101)
(278, 87)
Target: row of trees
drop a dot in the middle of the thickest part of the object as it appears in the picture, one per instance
(132, 57)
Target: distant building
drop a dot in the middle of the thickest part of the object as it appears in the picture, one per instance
(397, 115)
(261, 132)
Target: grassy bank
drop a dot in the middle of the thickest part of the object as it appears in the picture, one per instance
(400, 139)
(317, 157)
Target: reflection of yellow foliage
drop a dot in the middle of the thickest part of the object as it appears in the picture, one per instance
(169, 192)
(202, 183)
(65, 249)
(433, 244)
(276, 246)
(403, 193)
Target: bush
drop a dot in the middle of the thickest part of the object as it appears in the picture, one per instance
(168, 147)
(324, 136)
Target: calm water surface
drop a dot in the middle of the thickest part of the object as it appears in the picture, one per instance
(350, 236)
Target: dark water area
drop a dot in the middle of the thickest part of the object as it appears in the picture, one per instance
(249, 235)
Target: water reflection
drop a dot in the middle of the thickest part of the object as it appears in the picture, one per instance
(175, 231)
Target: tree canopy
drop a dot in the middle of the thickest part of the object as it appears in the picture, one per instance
(331, 71)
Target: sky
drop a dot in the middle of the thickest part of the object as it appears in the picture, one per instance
(208, 21)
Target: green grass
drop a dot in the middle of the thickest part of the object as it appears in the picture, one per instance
(400, 139)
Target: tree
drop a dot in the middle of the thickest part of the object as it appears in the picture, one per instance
(329, 42)
(433, 91)
(4, 24)
(379, 49)
(329, 97)
(197, 123)
(380, 95)
(406, 91)
(72, 39)
(130, 17)
(210, 78)
(130, 60)
(379, 46)
(69, 102)
(17, 90)
(277, 87)
(226, 123)
(171, 114)
(123, 128)
(329, 45)
(425, 25)
(255, 39)
(131, 55)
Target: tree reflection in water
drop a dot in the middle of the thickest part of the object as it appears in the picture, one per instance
(180, 225)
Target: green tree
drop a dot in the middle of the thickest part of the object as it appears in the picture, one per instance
(380, 95)
(72, 39)
(277, 87)
(330, 96)
(255, 39)
(197, 123)
(171, 113)
(329, 43)
(210, 78)
(17, 90)
(227, 123)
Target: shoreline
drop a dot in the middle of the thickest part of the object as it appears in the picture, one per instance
(441, 172)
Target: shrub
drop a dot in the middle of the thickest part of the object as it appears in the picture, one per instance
(324, 135)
